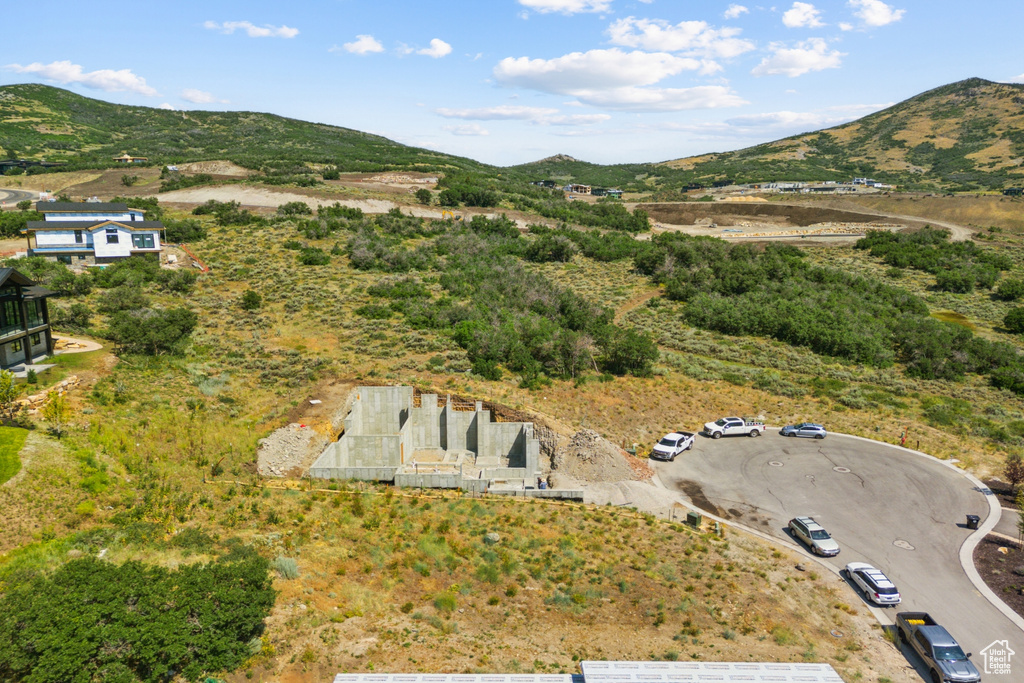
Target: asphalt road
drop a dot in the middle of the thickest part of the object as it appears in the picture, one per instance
(15, 196)
(903, 513)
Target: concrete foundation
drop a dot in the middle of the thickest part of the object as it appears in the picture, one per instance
(394, 436)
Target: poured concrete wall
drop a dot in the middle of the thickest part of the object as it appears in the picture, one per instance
(460, 429)
(384, 409)
(425, 430)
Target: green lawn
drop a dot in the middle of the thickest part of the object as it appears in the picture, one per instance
(11, 441)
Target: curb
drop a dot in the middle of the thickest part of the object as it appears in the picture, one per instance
(966, 554)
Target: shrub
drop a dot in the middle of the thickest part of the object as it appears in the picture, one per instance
(187, 230)
(150, 331)
(178, 281)
(1010, 290)
(294, 209)
(446, 602)
(124, 624)
(1014, 320)
(330, 174)
(24, 205)
(250, 300)
(75, 318)
(423, 196)
(313, 256)
(286, 567)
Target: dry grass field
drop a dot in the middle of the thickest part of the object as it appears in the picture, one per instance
(371, 579)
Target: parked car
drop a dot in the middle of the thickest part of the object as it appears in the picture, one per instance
(876, 585)
(733, 426)
(814, 536)
(672, 445)
(944, 657)
(808, 429)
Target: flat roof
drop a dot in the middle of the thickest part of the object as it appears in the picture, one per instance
(633, 672)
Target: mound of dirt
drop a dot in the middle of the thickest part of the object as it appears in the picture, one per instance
(590, 458)
(215, 168)
(289, 450)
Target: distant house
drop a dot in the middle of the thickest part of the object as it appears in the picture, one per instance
(579, 189)
(127, 159)
(1013, 191)
(24, 319)
(91, 233)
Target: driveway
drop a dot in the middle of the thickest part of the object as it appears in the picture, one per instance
(901, 512)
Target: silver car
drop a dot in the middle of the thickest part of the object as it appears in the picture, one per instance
(876, 585)
(814, 536)
(807, 429)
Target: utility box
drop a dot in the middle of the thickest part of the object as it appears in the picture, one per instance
(693, 519)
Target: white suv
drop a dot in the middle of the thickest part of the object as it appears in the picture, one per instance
(876, 585)
(814, 536)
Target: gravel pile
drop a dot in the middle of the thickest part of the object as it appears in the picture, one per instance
(590, 458)
(287, 448)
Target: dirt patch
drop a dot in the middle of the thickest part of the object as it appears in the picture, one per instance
(222, 168)
(263, 197)
(998, 560)
(316, 421)
(1003, 492)
(590, 458)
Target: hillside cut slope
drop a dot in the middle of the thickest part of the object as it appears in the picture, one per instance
(966, 135)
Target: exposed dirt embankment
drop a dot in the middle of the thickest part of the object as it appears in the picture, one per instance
(732, 213)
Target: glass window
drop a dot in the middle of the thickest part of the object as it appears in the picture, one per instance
(10, 311)
(143, 241)
(36, 339)
(35, 312)
(16, 346)
(78, 236)
(64, 258)
(112, 236)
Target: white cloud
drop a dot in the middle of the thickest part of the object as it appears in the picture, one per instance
(876, 12)
(542, 116)
(468, 129)
(363, 45)
(168, 106)
(103, 79)
(614, 79)
(810, 55)
(662, 99)
(567, 6)
(1015, 79)
(690, 37)
(592, 70)
(252, 30)
(438, 48)
(734, 11)
(199, 97)
(795, 121)
(844, 26)
(802, 15)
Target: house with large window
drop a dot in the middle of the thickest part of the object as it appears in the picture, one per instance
(91, 233)
(24, 320)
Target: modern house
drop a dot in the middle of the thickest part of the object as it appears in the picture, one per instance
(91, 233)
(24, 320)
(128, 159)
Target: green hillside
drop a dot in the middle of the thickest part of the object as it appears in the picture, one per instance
(38, 121)
(963, 136)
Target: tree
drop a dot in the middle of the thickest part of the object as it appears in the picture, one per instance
(1008, 290)
(152, 332)
(1014, 320)
(1020, 517)
(24, 205)
(250, 301)
(129, 180)
(294, 209)
(9, 391)
(56, 412)
(1014, 469)
(423, 196)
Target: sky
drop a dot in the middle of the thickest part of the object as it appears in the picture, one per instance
(511, 81)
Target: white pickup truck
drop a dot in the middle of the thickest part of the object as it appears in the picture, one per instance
(733, 426)
(672, 445)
